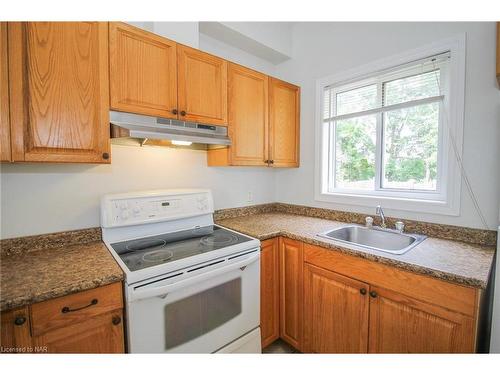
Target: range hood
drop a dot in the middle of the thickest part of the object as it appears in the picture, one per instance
(130, 128)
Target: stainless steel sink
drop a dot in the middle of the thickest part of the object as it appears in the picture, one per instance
(379, 239)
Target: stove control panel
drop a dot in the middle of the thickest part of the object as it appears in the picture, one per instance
(154, 206)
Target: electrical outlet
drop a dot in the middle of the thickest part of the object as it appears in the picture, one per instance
(249, 197)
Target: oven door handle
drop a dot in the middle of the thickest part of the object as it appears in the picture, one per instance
(162, 291)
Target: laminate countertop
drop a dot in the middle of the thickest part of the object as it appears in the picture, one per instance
(458, 262)
(35, 276)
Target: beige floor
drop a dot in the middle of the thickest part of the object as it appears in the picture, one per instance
(279, 347)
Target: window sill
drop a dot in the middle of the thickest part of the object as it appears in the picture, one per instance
(395, 203)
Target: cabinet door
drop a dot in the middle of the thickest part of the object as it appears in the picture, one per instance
(269, 291)
(143, 72)
(291, 271)
(99, 334)
(400, 324)
(59, 96)
(284, 123)
(4, 96)
(335, 312)
(202, 86)
(248, 116)
(15, 331)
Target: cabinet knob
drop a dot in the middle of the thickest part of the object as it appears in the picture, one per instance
(116, 320)
(20, 320)
(174, 111)
(105, 155)
(183, 113)
(373, 294)
(362, 291)
(271, 161)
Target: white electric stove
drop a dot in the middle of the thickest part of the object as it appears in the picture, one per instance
(191, 286)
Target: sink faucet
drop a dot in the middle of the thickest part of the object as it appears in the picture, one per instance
(380, 212)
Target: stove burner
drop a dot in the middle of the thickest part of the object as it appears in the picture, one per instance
(220, 239)
(146, 244)
(158, 256)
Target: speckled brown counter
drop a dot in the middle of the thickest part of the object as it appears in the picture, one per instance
(34, 276)
(458, 262)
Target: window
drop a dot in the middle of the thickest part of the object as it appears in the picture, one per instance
(386, 135)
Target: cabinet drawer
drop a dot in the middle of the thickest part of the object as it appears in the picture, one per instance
(74, 308)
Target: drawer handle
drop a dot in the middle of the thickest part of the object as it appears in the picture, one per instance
(116, 320)
(66, 309)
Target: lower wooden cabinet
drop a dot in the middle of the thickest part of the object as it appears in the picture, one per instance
(330, 302)
(414, 314)
(85, 322)
(269, 291)
(400, 324)
(100, 334)
(15, 334)
(335, 312)
(291, 271)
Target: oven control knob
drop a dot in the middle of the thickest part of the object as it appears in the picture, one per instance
(137, 210)
(125, 214)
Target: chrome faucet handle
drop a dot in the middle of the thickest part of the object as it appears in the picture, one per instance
(400, 226)
(369, 221)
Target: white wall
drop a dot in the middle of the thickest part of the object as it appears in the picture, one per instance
(321, 49)
(236, 55)
(44, 198)
(271, 41)
(182, 32)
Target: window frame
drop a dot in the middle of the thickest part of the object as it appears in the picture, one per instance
(446, 199)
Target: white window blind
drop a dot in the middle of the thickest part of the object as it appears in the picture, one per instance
(414, 84)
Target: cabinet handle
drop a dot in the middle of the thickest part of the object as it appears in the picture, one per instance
(174, 111)
(66, 309)
(183, 113)
(362, 291)
(105, 155)
(116, 320)
(19, 321)
(373, 294)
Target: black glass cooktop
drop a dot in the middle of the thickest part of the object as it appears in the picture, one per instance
(151, 251)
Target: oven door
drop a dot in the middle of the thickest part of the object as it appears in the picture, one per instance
(197, 310)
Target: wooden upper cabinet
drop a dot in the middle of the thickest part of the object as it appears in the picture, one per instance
(143, 72)
(248, 116)
(5, 154)
(284, 120)
(247, 120)
(202, 86)
(400, 324)
(269, 291)
(291, 287)
(335, 312)
(59, 91)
